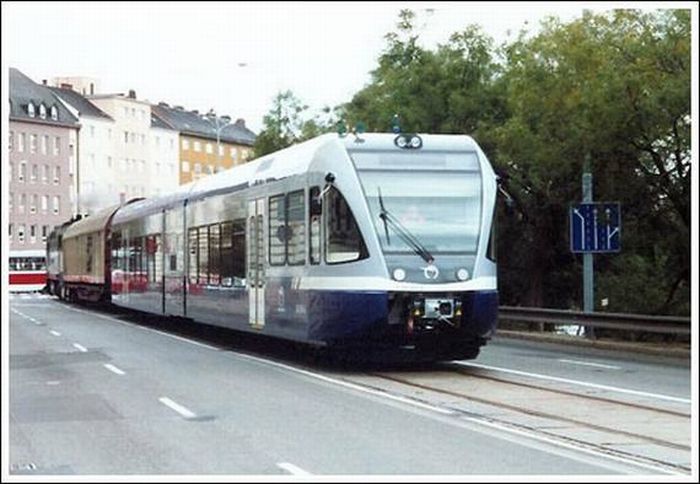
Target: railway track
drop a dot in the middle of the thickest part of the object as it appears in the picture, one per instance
(635, 430)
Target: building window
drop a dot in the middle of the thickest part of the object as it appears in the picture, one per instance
(126, 111)
(54, 113)
(56, 175)
(44, 203)
(209, 148)
(197, 169)
(45, 174)
(109, 162)
(221, 150)
(44, 232)
(92, 131)
(11, 202)
(34, 202)
(22, 174)
(56, 146)
(20, 233)
(22, 142)
(32, 143)
(32, 233)
(143, 139)
(197, 146)
(133, 137)
(185, 144)
(133, 112)
(234, 154)
(172, 144)
(157, 140)
(35, 173)
(126, 136)
(11, 226)
(11, 142)
(44, 144)
(56, 204)
(92, 160)
(22, 202)
(42, 111)
(30, 109)
(185, 166)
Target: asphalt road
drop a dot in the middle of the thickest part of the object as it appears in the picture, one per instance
(96, 394)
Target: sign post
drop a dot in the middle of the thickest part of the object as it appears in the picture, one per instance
(594, 228)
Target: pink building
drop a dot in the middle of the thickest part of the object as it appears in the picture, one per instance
(42, 146)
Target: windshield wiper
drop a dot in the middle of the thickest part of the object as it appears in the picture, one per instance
(410, 239)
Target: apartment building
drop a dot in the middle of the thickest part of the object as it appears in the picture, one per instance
(206, 144)
(42, 159)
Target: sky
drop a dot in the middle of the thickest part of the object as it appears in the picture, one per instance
(234, 57)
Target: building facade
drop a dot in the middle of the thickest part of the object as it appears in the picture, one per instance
(204, 150)
(42, 158)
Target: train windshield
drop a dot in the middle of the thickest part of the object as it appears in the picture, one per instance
(434, 196)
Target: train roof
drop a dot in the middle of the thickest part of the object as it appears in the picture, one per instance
(295, 160)
(93, 223)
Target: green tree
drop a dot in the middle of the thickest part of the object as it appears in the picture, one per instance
(615, 86)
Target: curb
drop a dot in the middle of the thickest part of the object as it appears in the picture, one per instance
(645, 348)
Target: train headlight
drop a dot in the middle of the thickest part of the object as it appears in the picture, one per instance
(462, 274)
(399, 274)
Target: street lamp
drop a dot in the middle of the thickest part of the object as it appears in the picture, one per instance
(217, 123)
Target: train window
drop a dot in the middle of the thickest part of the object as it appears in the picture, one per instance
(239, 252)
(116, 250)
(203, 255)
(194, 256)
(214, 254)
(343, 239)
(314, 226)
(226, 254)
(278, 231)
(296, 240)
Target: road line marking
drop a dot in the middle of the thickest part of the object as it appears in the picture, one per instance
(151, 330)
(558, 443)
(576, 382)
(588, 363)
(55, 333)
(80, 347)
(292, 469)
(353, 386)
(114, 369)
(177, 407)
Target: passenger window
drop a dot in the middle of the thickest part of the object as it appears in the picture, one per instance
(203, 255)
(314, 226)
(296, 240)
(158, 259)
(194, 256)
(226, 253)
(214, 255)
(343, 239)
(278, 231)
(239, 253)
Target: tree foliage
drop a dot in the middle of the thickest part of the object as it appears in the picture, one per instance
(614, 88)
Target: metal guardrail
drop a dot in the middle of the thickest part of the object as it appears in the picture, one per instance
(629, 322)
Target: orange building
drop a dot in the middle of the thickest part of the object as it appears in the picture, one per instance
(208, 144)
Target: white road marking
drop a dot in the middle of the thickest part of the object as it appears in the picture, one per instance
(114, 369)
(576, 382)
(55, 333)
(588, 363)
(342, 383)
(80, 347)
(108, 318)
(292, 469)
(177, 407)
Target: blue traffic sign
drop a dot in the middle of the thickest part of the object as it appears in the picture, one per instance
(595, 227)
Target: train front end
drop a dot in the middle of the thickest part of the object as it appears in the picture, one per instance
(431, 200)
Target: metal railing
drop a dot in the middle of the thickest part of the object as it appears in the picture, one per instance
(629, 322)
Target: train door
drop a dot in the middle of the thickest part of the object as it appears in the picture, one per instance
(256, 262)
(173, 262)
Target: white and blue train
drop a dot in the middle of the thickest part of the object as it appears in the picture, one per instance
(371, 241)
